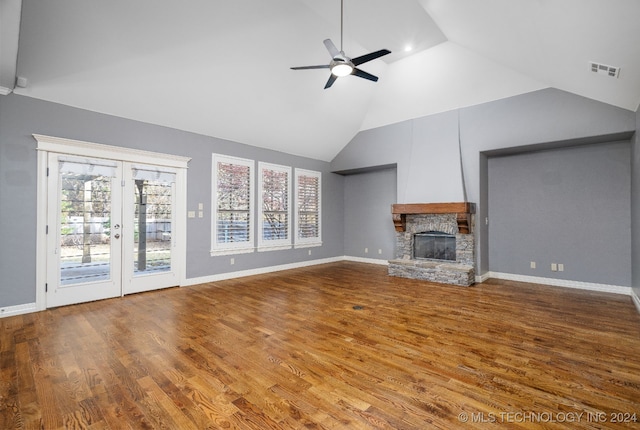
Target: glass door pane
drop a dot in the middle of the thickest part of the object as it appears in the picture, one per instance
(85, 221)
(152, 227)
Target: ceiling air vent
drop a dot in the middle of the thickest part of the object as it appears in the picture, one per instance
(603, 69)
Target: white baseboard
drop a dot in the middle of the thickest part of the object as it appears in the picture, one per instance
(10, 311)
(263, 270)
(31, 307)
(367, 260)
(259, 271)
(604, 288)
(482, 278)
(636, 300)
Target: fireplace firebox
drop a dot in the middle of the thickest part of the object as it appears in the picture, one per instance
(434, 245)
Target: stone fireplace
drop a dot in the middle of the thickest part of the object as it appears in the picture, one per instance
(434, 242)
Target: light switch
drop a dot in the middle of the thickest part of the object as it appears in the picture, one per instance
(191, 214)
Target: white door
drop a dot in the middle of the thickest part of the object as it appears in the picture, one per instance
(84, 246)
(150, 256)
(112, 229)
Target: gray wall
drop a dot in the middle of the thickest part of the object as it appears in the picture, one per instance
(539, 120)
(425, 150)
(635, 207)
(368, 197)
(569, 206)
(20, 117)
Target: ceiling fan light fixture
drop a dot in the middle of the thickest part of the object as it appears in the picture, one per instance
(340, 64)
(342, 69)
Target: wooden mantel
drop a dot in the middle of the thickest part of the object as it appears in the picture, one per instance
(463, 210)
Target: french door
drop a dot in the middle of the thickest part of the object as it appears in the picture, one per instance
(85, 214)
(149, 215)
(112, 228)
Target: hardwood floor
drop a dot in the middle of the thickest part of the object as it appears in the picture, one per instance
(332, 346)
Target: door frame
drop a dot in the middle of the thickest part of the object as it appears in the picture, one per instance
(49, 144)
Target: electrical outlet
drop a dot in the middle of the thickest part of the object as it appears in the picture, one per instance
(366, 250)
(533, 264)
(560, 267)
(379, 251)
(309, 252)
(554, 267)
(233, 261)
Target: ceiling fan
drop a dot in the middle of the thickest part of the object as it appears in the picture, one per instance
(340, 64)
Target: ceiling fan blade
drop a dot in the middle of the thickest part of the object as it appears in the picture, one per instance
(332, 79)
(325, 66)
(368, 57)
(331, 48)
(362, 74)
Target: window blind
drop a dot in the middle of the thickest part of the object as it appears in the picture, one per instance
(87, 167)
(233, 223)
(308, 198)
(153, 175)
(275, 204)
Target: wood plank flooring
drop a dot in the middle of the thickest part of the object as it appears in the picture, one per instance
(339, 346)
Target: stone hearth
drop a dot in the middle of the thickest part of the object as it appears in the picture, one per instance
(451, 218)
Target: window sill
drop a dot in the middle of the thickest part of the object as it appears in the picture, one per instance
(307, 245)
(265, 248)
(220, 252)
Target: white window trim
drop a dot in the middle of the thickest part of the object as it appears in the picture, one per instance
(219, 249)
(311, 241)
(273, 245)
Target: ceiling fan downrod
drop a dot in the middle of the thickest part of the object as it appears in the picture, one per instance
(341, 25)
(342, 65)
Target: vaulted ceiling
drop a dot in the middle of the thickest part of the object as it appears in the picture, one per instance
(222, 68)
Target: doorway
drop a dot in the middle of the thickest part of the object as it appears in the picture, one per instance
(114, 221)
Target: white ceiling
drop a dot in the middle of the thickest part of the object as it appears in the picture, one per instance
(221, 68)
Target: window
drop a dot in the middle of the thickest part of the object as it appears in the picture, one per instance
(274, 207)
(232, 205)
(308, 208)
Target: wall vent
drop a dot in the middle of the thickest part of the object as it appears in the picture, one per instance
(603, 69)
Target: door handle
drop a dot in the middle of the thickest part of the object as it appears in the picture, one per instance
(117, 235)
